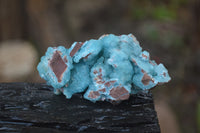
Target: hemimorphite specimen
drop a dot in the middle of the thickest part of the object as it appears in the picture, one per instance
(110, 68)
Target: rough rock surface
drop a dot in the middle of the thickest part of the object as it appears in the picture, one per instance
(33, 108)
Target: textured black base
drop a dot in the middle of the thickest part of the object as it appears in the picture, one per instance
(33, 108)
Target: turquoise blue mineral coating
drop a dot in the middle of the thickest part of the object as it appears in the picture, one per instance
(110, 68)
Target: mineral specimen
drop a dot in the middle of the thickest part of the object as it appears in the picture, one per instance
(110, 68)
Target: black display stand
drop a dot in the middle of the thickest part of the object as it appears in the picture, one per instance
(33, 108)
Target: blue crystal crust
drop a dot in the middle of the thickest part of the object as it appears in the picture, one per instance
(110, 68)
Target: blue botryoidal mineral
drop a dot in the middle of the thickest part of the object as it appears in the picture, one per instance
(110, 68)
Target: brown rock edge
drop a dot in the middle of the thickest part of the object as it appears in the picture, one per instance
(58, 61)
